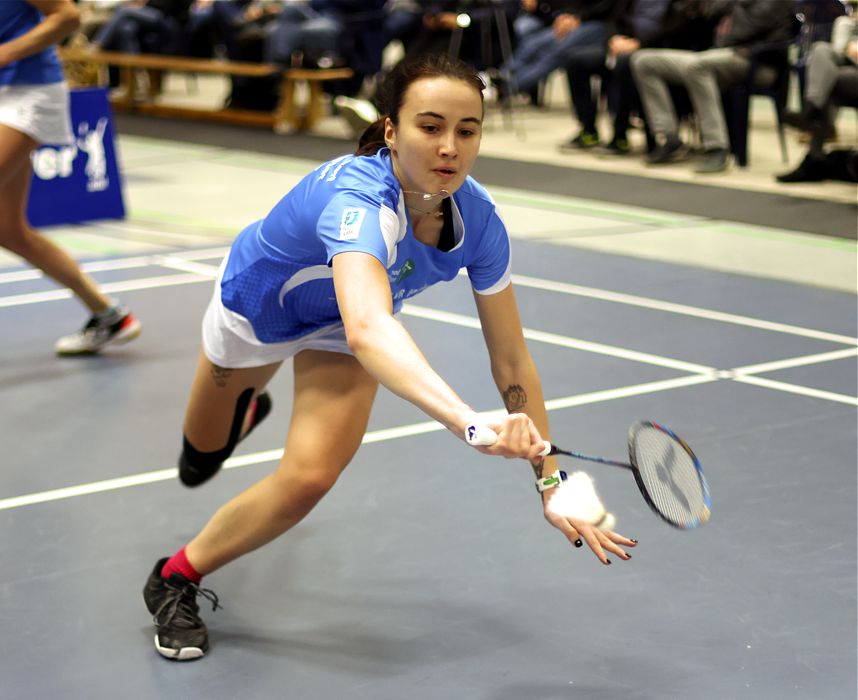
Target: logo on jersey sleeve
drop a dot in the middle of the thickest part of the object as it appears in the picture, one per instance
(350, 224)
(403, 272)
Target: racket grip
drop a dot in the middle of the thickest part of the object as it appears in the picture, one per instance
(478, 433)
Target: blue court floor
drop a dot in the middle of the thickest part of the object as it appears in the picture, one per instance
(428, 573)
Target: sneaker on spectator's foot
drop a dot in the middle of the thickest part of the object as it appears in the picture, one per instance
(359, 114)
(112, 327)
(715, 160)
(583, 141)
(811, 169)
(617, 147)
(805, 120)
(671, 150)
(181, 634)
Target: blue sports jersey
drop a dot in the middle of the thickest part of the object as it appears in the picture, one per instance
(16, 18)
(279, 276)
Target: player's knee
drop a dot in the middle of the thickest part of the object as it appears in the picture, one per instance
(196, 466)
(308, 485)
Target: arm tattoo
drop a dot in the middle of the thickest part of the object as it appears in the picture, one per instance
(514, 398)
(537, 468)
(220, 375)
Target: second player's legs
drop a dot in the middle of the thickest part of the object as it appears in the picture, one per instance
(17, 236)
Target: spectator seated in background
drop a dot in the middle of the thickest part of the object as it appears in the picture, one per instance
(429, 27)
(631, 24)
(577, 25)
(831, 79)
(743, 26)
(214, 26)
(145, 26)
(533, 16)
(243, 27)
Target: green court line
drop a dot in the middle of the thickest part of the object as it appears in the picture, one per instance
(503, 195)
(147, 216)
(584, 206)
(88, 245)
(275, 164)
(773, 234)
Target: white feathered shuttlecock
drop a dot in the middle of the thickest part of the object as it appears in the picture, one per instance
(576, 498)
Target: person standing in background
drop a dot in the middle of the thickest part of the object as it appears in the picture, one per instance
(34, 110)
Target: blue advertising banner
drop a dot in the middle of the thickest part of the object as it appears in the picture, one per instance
(80, 181)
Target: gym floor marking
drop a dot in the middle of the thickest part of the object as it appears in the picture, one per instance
(187, 262)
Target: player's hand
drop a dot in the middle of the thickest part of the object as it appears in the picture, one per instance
(579, 532)
(516, 436)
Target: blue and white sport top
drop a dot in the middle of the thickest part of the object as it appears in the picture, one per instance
(16, 18)
(279, 276)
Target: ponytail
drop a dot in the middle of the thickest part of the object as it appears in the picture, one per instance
(372, 139)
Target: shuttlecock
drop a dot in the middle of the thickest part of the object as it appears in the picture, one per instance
(576, 498)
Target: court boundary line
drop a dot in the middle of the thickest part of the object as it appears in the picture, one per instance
(158, 259)
(196, 272)
(374, 436)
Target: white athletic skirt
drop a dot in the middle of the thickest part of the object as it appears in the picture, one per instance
(229, 340)
(40, 111)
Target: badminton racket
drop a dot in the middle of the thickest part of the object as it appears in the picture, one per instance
(666, 470)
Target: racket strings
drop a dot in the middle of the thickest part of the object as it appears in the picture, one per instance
(670, 477)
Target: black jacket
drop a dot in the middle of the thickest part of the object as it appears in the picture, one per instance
(755, 22)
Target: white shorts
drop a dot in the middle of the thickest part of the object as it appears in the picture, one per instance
(229, 340)
(40, 111)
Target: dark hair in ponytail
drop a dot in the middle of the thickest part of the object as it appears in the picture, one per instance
(391, 95)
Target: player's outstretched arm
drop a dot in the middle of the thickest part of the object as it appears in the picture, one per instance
(386, 350)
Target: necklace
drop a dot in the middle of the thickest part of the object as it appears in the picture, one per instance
(428, 196)
(437, 214)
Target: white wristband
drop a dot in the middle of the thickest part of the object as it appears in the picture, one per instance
(551, 481)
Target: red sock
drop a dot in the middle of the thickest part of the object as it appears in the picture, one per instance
(179, 564)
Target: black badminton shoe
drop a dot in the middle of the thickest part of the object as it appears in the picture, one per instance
(181, 635)
(112, 327)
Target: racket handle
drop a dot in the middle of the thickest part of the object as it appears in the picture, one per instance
(478, 433)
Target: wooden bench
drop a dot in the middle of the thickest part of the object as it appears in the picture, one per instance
(287, 115)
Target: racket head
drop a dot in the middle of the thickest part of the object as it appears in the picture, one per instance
(669, 475)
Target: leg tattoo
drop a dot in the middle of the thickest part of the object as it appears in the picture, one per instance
(220, 375)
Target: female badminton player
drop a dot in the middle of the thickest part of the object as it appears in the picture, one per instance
(320, 280)
(34, 110)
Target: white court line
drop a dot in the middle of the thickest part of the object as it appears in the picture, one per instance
(791, 362)
(371, 437)
(563, 341)
(108, 287)
(151, 260)
(521, 280)
(796, 389)
(176, 263)
(202, 272)
(670, 307)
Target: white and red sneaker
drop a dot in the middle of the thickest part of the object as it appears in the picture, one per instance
(113, 327)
